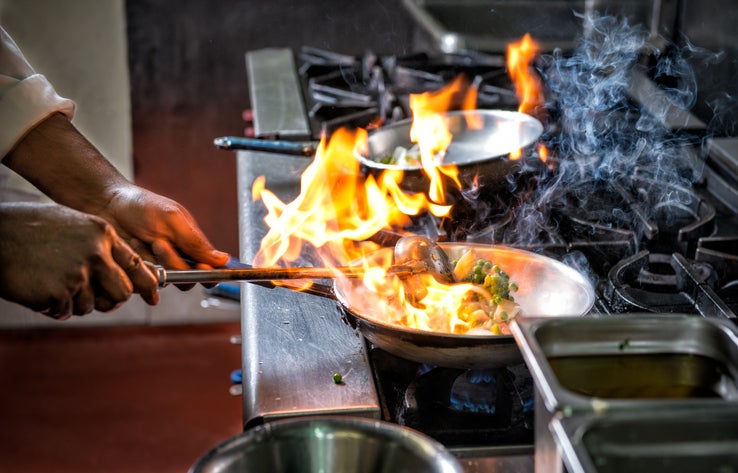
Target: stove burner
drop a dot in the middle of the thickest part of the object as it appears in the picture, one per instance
(458, 407)
(652, 282)
(467, 407)
(648, 246)
(670, 216)
(721, 253)
(663, 217)
(608, 221)
(475, 391)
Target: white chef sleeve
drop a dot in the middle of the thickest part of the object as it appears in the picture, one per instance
(26, 98)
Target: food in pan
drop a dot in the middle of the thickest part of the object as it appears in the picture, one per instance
(407, 157)
(477, 301)
(491, 309)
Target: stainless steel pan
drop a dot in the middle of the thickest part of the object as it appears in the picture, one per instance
(547, 288)
(481, 154)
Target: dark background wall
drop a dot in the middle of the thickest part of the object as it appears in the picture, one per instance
(709, 32)
(188, 84)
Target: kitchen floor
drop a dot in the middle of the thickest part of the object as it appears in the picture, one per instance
(138, 398)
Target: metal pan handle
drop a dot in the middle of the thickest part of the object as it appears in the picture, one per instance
(293, 148)
(317, 289)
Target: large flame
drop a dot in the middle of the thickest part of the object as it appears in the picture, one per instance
(339, 209)
(430, 132)
(439, 310)
(528, 86)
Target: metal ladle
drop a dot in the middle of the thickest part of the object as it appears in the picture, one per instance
(419, 250)
(424, 252)
(413, 255)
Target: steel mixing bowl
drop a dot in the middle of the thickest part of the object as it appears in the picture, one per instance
(328, 444)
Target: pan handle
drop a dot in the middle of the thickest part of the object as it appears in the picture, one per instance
(317, 289)
(293, 148)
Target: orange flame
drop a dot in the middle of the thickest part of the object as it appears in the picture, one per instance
(437, 311)
(528, 86)
(543, 153)
(338, 208)
(431, 133)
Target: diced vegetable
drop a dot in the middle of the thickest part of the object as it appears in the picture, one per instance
(496, 310)
(407, 157)
(464, 265)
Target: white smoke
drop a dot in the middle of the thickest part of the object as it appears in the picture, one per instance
(599, 133)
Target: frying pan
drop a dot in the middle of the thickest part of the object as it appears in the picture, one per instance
(546, 288)
(482, 141)
(481, 153)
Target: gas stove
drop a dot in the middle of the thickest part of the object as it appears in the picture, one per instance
(648, 242)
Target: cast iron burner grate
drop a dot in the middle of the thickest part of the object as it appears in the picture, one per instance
(662, 283)
(366, 91)
(721, 253)
(620, 232)
(459, 408)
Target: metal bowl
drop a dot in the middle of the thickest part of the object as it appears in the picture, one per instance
(327, 445)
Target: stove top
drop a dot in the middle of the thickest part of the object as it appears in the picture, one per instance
(342, 90)
(652, 238)
(324, 90)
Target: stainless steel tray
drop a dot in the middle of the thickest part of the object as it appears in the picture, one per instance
(635, 363)
(672, 441)
(586, 363)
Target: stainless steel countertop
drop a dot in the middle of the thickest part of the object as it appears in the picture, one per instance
(293, 342)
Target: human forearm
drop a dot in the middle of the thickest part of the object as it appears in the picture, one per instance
(65, 166)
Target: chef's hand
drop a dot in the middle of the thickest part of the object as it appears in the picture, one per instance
(56, 158)
(60, 262)
(161, 230)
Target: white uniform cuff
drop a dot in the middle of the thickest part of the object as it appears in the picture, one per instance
(26, 104)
